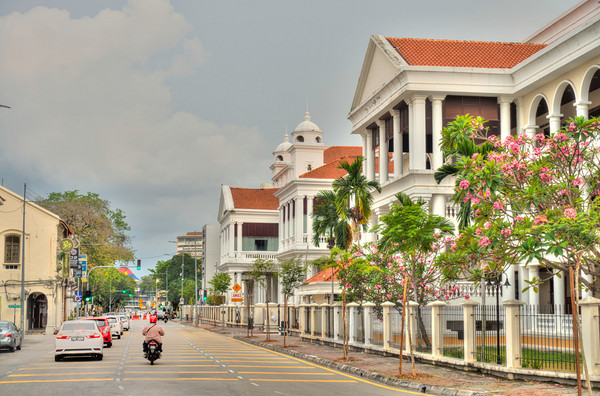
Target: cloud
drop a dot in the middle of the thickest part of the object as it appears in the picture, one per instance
(91, 107)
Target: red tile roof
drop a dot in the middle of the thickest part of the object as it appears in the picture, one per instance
(252, 198)
(336, 152)
(332, 157)
(324, 276)
(457, 53)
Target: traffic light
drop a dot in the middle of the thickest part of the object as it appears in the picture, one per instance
(124, 291)
(139, 264)
(205, 296)
(88, 299)
(130, 295)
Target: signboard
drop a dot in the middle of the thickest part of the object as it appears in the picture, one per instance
(141, 305)
(83, 263)
(74, 258)
(237, 288)
(152, 304)
(237, 297)
(14, 306)
(141, 300)
(66, 245)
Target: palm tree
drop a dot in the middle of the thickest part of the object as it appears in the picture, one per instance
(353, 197)
(326, 222)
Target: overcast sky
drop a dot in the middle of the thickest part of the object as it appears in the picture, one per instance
(153, 104)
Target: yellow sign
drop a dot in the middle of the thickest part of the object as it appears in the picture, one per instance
(141, 305)
(237, 287)
(152, 304)
(141, 301)
(237, 297)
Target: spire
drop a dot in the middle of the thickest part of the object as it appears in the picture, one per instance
(307, 116)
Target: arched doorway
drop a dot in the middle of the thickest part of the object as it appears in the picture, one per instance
(37, 311)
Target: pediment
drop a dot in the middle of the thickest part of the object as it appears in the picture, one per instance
(382, 63)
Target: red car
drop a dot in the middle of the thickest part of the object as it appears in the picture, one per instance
(104, 327)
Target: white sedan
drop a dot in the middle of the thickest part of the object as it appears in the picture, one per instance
(116, 327)
(124, 321)
(78, 337)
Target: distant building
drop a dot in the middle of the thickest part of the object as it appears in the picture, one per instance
(210, 254)
(191, 243)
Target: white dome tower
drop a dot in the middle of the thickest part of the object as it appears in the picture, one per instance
(307, 132)
(307, 147)
(281, 163)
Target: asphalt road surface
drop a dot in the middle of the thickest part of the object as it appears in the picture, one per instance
(194, 362)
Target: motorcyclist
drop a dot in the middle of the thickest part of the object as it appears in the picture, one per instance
(152, 332)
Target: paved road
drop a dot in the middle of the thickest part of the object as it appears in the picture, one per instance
(195, 361)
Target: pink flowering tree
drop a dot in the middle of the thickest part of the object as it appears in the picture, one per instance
(531, 199)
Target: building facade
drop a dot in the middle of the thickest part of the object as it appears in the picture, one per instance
(46, 281)
(409, 89)
(191, 243)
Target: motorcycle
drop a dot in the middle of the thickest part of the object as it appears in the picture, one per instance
(166, 318)
(153, 351)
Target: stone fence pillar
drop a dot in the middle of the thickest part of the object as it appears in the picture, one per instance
(512, 330)
(324, 320)
(368, 318)
(590, 333)
(469, 330)
(387, 325)
(352, 325)
(337, 321)
(437, 328)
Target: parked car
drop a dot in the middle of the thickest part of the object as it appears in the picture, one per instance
(104, 327)
(79, 338)
(10, 336)
(124, 321)
(116, 328)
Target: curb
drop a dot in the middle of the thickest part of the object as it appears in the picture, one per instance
(384, 379)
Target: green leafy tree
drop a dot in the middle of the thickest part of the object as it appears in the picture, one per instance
(107, 285)
(169, 271)
(327, 222)
(353, 196)
(147, 284)
(262, 272)
(102, 231)
(220, 285)
(292, 273)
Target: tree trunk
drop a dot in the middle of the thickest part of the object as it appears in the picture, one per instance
(285, 325)
(268, 317)
(422, 328)
(344, 340)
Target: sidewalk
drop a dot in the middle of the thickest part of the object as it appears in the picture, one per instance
(434, 379)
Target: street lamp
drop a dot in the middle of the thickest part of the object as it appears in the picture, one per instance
(497, 282)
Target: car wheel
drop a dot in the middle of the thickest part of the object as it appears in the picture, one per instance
(19, 347)
(109, 344)
(118, 336)
(12, 348)
(99, 357)
(57, 358)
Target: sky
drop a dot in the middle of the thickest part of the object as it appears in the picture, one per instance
(154, 104)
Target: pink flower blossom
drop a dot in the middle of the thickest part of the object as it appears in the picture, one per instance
(484, 241)
(570, 213)
(578, 181)
(487, 225)
(506, 232)
(498, 205)
(571, 126)
(464, 184)
(541, 219)
(467, 296)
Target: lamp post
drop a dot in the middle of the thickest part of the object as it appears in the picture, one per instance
(497, 283)
(196, 279)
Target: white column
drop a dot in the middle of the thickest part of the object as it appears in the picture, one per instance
(559, 289)
(582, 108)
(438, 204)
(523, 276)
(554, 121)
(364, 152)
(417, 136)
(411, 131)
(534, 272)
(531, 130)
(239, 237)
(437, 121)
(370, 156)
(383, 153)
(309, 219)
(231, 237)
(280, 227)
(299, 219)
(509, 292)
(586, 293)
(504, 117)
(398, 158)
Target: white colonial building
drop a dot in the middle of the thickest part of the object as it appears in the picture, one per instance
(409, 89)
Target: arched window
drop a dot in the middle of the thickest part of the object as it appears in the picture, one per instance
(300, 139)
(318, 139)
(279, 158)
(11, 249)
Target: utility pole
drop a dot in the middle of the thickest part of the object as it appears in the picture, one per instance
(181, 297)
(23, 265)
(196, 279)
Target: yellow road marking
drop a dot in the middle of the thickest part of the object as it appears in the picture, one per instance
(297, 380)
(63, 380)
(178, 365)
(279, 372)
(178, 372)
(244, 365)
(179, 379)
(39, 375)
(51, 368)
(331, 370)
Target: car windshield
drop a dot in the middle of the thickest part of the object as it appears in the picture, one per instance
(112, 320)
(123, 319)
(101, 322)
(4, 326)
(78, 326)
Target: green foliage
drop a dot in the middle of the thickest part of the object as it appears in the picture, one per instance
(170, 270)
(220, 283)
(327, 222)
(262, 270)
(102, 232)
(292, 273)
(147, 284)
(107, 285)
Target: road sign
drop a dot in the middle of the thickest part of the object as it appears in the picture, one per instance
(141, 305)
(237, 287)
(78, 299)
(237, 297)
(83, 263)
(14, 306)
(152, 304)
(66, 245)
(74, 258)
(141, 300)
